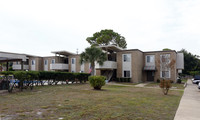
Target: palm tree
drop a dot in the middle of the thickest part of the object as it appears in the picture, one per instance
(91, 55)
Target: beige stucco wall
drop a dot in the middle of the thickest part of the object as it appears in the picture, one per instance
(136, 65)
(49, 61)
(38, 63)
(78, 65)
(173, 73)
(119, 63)
(98, 72)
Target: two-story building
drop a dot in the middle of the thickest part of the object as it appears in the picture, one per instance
(121, 63)
(141, 66)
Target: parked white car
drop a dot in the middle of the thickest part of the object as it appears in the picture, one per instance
(196, 79)
(199, 85)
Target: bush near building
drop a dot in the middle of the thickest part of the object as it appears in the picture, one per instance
(97, 81)
(25, 79)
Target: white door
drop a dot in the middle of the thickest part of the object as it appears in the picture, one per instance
(73, 64)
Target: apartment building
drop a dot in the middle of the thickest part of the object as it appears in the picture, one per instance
(141, 66)
(121, 63)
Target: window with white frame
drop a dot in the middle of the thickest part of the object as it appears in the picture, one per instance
(165, 58)
(73, 60)
(149, 58)
(165, 66)
(45, 62)
(165, 74)
(53, 61)
(127, 57)
(33, 62)
(127, 74)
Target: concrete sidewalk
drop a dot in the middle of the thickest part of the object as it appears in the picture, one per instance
(189, 107)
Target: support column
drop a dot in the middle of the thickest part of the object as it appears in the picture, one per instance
(22, 65)
(6, 66)
(1, 67)
(107, 53)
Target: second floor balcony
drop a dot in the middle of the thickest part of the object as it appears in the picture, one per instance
(107, 65)
(19, 67)
(59, 66)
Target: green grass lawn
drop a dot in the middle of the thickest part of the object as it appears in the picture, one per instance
(125, 83)
(174, 85)
(81, 102)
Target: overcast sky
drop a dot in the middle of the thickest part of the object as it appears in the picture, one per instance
(38, 27)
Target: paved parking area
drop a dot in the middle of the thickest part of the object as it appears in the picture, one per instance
(189, 107)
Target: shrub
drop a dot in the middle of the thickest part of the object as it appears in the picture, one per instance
(123, 79)
(165, 85)
(129, 79)
(118, 80)
(158, 81)
(81, 76)
(179, 81)
(97, 81)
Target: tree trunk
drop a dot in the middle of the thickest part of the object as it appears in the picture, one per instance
(93, 68)
(165, 91)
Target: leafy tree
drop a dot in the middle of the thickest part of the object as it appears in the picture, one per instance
(191, 62)
(166, 49)
(107, 37)
(165, 65)
(91, 55)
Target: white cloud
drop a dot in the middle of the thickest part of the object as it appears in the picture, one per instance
(39, 27)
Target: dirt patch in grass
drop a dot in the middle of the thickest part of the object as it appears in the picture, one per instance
(80, 101)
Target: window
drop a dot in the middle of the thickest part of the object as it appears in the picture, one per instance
(45, 62)
(66, 60)
(53, 61)
(73, 60)
(165, 74)
(126, 57)
(33, 62)
(127, 74)
(165, 58)
(17, 63)
(150, 58)
(165, 66)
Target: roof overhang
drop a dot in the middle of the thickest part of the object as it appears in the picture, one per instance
(149, 68)
(63, 52)
(111, 48)
(7, 57)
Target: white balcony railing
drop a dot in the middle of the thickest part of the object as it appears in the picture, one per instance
(19, 67)
(59, 66)
(107, 65)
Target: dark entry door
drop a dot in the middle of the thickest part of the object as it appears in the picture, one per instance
(150, 76)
